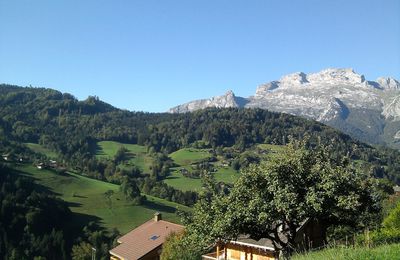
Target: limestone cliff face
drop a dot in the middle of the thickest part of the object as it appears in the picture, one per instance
(338, 97)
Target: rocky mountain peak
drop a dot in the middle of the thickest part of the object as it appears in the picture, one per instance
(229, 93)
(337, 76)
(294, 79)
(388, 83)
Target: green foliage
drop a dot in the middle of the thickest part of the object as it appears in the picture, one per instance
(296, 185)
(173, 248)
(82, 251)
(273, 199)
(392, 221)
(388, 233)
(131, 191)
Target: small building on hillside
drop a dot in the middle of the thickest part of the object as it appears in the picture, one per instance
(6, 157)
(309, 235)
(40, 166)
(144, 242)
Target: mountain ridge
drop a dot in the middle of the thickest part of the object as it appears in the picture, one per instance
(336, 97)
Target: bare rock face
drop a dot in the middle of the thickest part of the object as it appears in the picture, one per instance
(388, 83)
(224, 101)
(338, 97)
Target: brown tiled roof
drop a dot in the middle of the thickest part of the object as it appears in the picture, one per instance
(144, 239)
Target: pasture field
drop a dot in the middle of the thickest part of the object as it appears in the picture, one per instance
(86, 197)
(137, 154)
(180, 182)
(37, 148)
(187, 156)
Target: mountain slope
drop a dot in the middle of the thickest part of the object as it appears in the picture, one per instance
(367, 110)
(72, 129)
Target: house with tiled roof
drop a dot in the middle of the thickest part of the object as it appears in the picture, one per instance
(144, 242)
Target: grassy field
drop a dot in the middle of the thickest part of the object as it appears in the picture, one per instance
(137, 154)
(86, 197)
(388, 252)
(37, 148)
(271, 149)
(227, 175)
(180, 182)
(185, 158)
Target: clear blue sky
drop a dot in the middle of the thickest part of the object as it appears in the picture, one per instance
(151, 55)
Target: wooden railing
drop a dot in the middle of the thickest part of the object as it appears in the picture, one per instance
(213, 256)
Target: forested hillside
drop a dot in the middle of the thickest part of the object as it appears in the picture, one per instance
(72, 128)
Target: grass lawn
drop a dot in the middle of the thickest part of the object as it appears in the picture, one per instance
(359, 253)
(86, 197)
(37, 148)
(137, 154)
(187, 156)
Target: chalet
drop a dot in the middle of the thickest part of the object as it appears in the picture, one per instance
(40, 166)
(53, 164)
(144, 242)
(309, 236)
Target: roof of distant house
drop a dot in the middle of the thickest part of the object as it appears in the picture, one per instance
(144, 239)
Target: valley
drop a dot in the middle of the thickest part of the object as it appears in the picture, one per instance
(114, 168)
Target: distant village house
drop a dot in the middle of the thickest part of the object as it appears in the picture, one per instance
(6, 157)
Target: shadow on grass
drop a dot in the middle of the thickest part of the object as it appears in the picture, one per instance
(158, 207)
(73, 204)
(38, 187)
(79, 196)
(97, 150)
(172, 178)
(80, 220)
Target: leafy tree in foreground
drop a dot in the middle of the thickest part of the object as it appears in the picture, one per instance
(296, 185)
(280, 194)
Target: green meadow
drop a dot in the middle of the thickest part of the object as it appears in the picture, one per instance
(184, 158)
(137, 154)
(86, 197)
(37, 148)
(187, 156)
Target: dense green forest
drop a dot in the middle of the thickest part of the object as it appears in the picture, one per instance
(72, 128)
